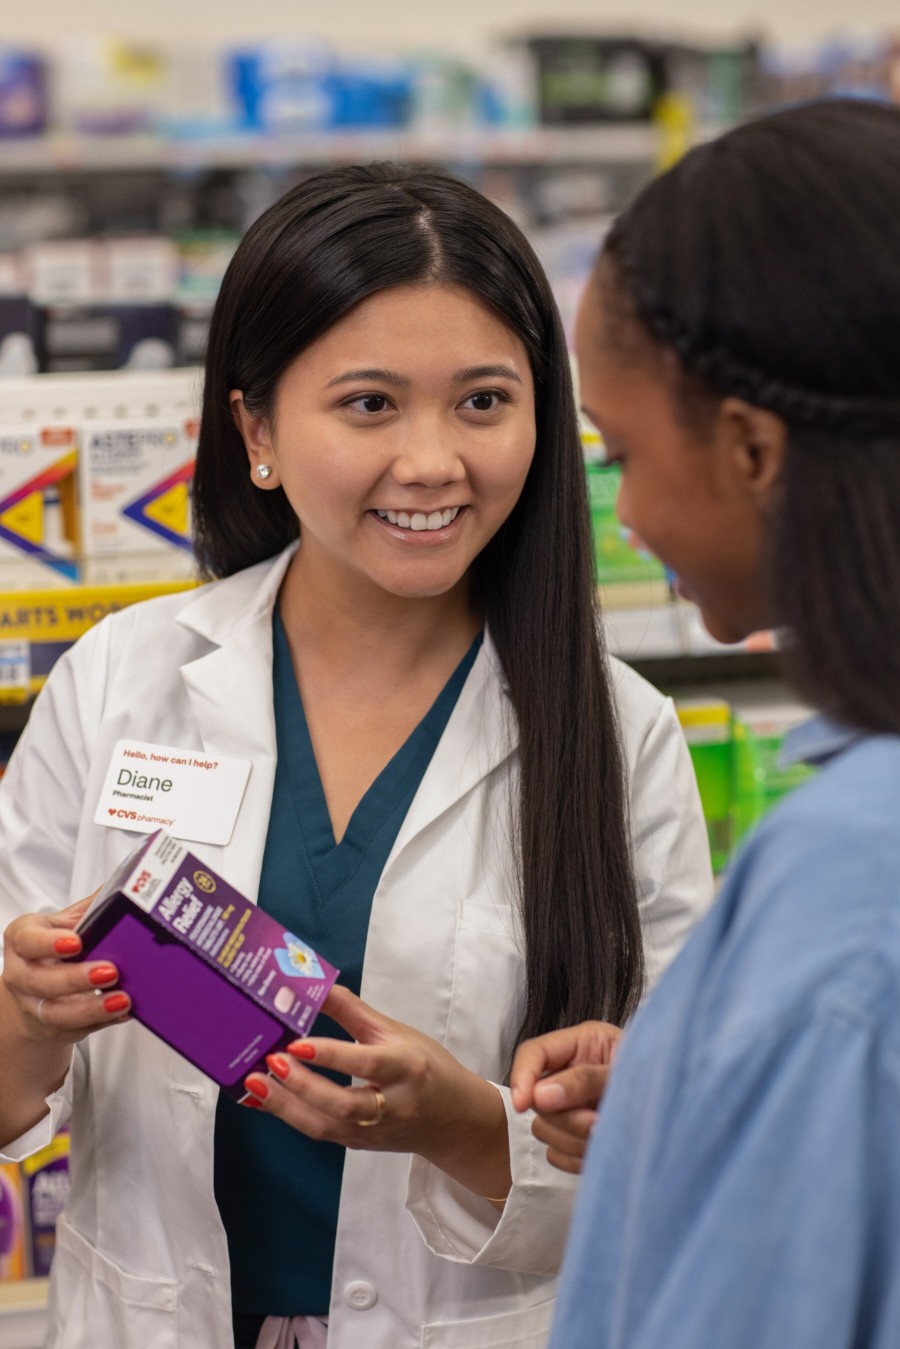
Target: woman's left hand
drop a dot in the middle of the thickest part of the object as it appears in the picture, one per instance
(421, 1099)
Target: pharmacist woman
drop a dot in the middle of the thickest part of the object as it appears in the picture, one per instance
(489, 827)
(742, 1185)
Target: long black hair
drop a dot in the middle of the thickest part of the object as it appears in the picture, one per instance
(325, 246)
(768, 261)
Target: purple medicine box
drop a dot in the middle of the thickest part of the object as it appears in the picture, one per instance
(214, 976)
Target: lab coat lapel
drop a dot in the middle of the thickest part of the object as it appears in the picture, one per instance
(230, 691)
(480, 735)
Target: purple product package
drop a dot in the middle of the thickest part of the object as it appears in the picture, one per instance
(46, 1178)
(218, 979)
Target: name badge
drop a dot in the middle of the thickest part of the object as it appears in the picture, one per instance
(190, 794)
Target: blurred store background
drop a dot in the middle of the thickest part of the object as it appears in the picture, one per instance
(135, 149)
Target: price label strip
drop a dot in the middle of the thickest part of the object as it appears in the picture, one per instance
(15, 672)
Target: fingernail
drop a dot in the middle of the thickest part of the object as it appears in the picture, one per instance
(549, 1096)
(301, 1050)
(116, 1002)
(278, 1065)
(67, 946)
(257, 1086)
(103, 974)
(251, 1102)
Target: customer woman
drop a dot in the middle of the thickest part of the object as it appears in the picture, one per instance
(404, 645)
(739, 349)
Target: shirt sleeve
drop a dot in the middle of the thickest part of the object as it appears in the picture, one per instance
(671, 847)
(770, 1216)
(42, 790)
(528, 1235)
(41, 796)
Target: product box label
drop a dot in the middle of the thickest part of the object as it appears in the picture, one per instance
(135, 485)
(218, 979)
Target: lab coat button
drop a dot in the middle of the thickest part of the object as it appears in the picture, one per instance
(360, 1295)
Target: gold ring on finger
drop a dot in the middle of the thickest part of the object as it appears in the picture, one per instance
(380, 1103)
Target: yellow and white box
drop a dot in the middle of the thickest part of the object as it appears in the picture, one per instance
(38, 506)
(135, 479)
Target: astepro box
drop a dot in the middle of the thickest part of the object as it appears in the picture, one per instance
(214, 976)
(135, 478)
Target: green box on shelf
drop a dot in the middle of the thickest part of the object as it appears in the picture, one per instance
(616, 557)
(761, 780)
(707, 726)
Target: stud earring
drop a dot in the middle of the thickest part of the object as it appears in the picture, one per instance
(263, 471)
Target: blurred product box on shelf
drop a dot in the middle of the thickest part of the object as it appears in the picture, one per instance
(104, 304)
(736, 751)
(707, 726)
(761, 778)
(144, 269)
(21, 336)
(95, 466)
(623, 78)
(105, 85)
(856, 66)
(595, 78)
(63, 271)
(282, 85)
(109, 337)
(210, 973)
(23, 93)
(38, 502)
(135, 478)
(45, 1178)
(13, 1258)
(619, 556)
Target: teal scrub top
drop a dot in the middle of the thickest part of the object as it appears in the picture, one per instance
(277, 1190)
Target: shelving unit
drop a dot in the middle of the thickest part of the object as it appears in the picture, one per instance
(68, 153)
(23, 1314)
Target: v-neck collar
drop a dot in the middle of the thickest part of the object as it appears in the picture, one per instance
(334, 864)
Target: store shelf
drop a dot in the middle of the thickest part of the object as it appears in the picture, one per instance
(66, 153)
(673, 629)
(36, 627)
(23, 1316)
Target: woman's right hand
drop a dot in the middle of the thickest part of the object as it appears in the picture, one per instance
(54, 994)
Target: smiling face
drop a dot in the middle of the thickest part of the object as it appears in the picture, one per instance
(402, 438)
(695, 494)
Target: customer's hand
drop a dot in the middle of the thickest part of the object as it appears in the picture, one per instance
(562, 1076)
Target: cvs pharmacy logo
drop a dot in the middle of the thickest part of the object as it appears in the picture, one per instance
(141, 883)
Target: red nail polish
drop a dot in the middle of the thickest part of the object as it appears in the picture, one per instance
(67, 946)
(258, 1087)
(301, 1050)
(279, 1066)
(103, 974)
(116, 1002)
(252, 1102)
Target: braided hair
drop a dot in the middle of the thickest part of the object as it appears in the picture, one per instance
(767, 260)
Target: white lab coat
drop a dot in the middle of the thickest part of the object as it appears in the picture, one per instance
(421, 1263)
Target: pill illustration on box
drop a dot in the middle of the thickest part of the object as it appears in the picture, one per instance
(284, 999)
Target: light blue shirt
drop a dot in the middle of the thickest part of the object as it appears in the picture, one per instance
(742, 1188)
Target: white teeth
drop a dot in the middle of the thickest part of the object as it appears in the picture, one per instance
(419, 520)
